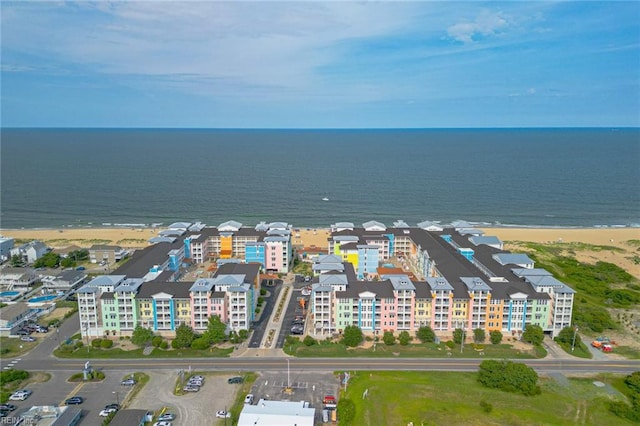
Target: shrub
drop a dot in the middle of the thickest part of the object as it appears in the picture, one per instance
(533, 334)
(200, 343)
(79, 344)
(243, 334)
(495, 336)
(156, 341)
(263, 292)
(352, 336)
(450, 344)
(426, 334)
(404, 338)
(9, 376)
(309, 341)
(457, 335)
(486, 407)
(479, 335)
(509, 377)
(346, 410)
(388, 338)
(164, 345)
(96, 343)
(106, 344)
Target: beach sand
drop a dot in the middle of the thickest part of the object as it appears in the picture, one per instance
(138, 237)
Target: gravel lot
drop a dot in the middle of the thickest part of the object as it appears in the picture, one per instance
(196, 408)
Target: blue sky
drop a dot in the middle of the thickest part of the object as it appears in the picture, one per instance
(320, 64)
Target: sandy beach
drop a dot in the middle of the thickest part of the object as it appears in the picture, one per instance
(138, 237)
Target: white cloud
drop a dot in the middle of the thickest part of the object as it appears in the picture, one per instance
(487, 23)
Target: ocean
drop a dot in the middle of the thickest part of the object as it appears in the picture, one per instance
(504, 177)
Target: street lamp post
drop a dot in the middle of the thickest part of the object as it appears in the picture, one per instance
(573, 342)
(288, 377)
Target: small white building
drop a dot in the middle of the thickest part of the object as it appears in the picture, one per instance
(277, 413)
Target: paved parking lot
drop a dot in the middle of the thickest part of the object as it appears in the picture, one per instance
(96, 395)
(305, 386)
(194, 408)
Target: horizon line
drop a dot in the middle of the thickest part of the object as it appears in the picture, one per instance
(310, 128)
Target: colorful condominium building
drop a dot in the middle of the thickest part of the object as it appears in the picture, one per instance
(149, 289)
(463, 280)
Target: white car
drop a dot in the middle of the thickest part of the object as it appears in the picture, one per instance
(107, 411)
(222, 414)
(248, 399)
(163, 423)
(20, 395)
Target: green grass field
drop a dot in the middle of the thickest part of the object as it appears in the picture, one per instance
(436, 398)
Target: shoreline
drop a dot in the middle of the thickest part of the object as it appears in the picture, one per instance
(316, 236)
(624, 252)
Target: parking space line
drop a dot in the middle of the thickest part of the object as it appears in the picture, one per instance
(72, 393)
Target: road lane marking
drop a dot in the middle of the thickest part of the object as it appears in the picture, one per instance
(72, 393)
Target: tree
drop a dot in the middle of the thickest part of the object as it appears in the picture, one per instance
(533, 334)
(495, 336)
(352, 336)
(479, 335)
(404, 338)
(17, 261)
(67, 262)
(509, 376)
(457, 336)
(566, 336)
(215, 330)
(426, 334)
(388, 338)
(141, 336)
(48, 260)
(184, 337)
(76, 255)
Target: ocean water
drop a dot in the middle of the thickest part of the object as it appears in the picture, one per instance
(526, 177)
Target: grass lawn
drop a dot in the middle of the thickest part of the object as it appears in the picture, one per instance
(430, 350)
(117, 353)
(435, 398)
(11, 347)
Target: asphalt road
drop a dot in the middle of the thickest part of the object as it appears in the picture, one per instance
(324, 364)
(40, 358)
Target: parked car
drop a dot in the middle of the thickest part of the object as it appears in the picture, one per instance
(248, 399)
(297, 329)
(128, 382)
(74, 400)
(7, 407)
(106, 412)
(23, 332)
(162, 423)
(167, 417)
(42, 329)
(28, 339)
(190, 388)
(236, 379)
(20, 395)
(221, 414)
(115, 406)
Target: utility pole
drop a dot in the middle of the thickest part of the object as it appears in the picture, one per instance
(462, 344)
(573, 343)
